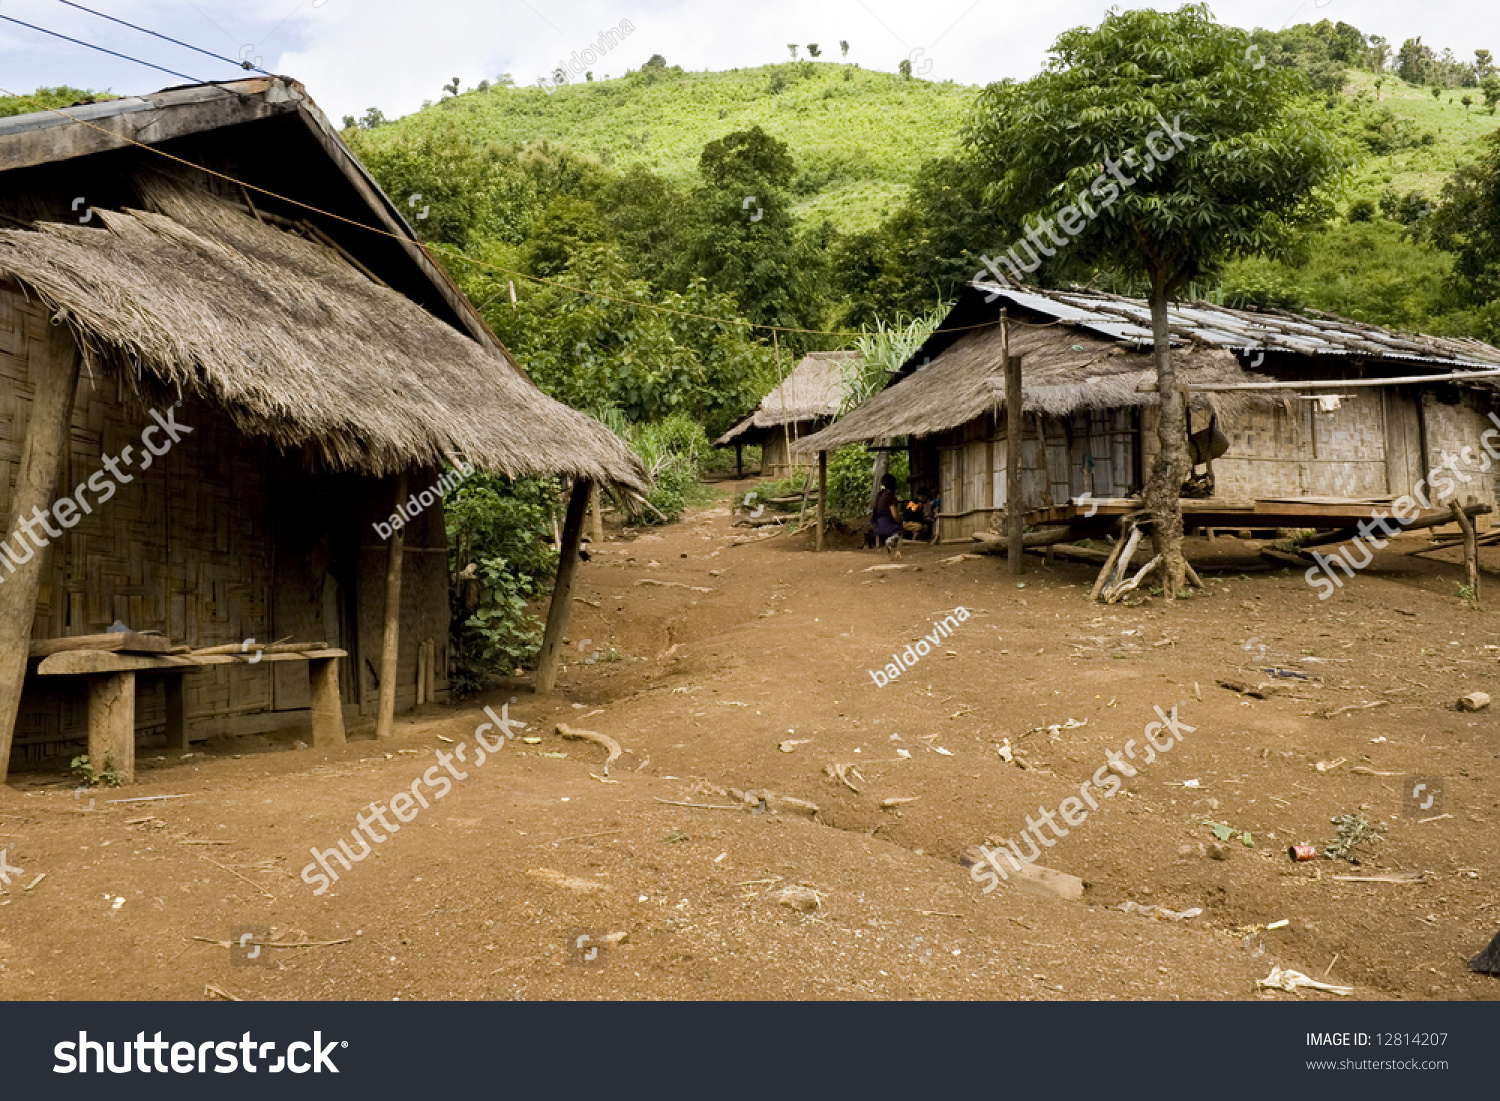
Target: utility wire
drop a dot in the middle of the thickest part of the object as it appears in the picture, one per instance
(101, 49)
(454, 254)
(167, 38)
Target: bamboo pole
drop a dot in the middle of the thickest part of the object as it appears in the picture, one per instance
(596, 504)
(1015, 426)
(385, 715)
(822, 493)
(562, 592)
(52, 365)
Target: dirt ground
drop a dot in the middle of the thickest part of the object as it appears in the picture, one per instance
(742, 677)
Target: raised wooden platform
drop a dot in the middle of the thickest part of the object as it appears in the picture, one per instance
(1330, 513)
(111, 683)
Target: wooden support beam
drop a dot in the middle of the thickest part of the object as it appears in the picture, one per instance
(112, 724)
(127, 641)
(596, 514)
(72, 663)
(327, 705)
(1471, 552)
(562, 592)
(822, 493)
(52, 366)
(1015, 426)
(385, 715)
(177, 730)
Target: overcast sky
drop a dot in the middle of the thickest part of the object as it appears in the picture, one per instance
(393, 54)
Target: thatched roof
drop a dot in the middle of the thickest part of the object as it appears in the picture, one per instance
(297, 344)
(1063, 372)
(1083, 350)
(815, 389)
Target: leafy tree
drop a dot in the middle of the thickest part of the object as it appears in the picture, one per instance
(1467, 223)
(656, 61)
(1246, 171)
(1414, 61)
(644, 214)
(1491, 90)
(843, 48)
(743, 238)
(1484, 64)
(451, 87)
(905, 68)
(1466, 100)
(793, 49)
(813, 50)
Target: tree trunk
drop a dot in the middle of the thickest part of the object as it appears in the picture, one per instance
(1170, 469)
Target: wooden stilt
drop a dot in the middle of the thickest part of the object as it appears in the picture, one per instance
(112, 724)
(739, 459)
(1015, 425)
(327, 706)
(421, 672)
(822, 493)
(562, 591)
(385, 715)
(53, 368)
(177, 732)
(596, 514)
(1471, 551)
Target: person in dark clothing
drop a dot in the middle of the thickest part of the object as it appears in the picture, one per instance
(885, 520)
(914, 519)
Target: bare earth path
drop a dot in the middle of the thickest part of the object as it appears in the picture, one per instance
(484, 893)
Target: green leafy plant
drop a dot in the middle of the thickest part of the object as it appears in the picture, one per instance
(1353, 830)
(82, 770)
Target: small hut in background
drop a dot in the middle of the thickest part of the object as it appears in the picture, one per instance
(1347, 413)
(807, 400)
(257, 289)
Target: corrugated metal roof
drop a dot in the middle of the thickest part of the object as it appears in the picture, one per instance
(1129, 321)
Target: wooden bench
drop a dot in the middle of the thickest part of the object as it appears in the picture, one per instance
(111, 686)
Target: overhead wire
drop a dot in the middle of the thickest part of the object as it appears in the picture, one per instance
(103, 50)
(454, 254)
(239, 64)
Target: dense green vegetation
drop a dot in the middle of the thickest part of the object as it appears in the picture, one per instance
(46, 99)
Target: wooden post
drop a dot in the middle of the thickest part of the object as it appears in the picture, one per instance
(596, 504)
(739, 459)
(112, 724)
(1015, 425)
(822, 493)
(327, 706)
(53, 369)
(1471, 550)
(562, 591)
(177, 732)
(385, 714)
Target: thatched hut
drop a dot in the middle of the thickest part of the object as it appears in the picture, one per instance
(806, 400)
(228, 267)
(1089, 424)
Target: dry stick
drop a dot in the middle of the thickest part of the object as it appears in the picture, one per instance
(602, 740)
(1114, 556)
(1358, 707)
(236, 874)
(696, 806)
(278, 944)
(582, 836)
(1115, 594)
(210, 988)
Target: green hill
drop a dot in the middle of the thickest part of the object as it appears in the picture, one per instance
(1456, 135)
(857, 136)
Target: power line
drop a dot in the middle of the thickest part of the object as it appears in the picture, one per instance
(101, 49)
(455, 254)
(167, 38)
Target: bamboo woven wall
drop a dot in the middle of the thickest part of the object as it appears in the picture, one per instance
(192, 547)
(1088, 453)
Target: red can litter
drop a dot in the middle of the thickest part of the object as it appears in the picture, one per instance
(1300, 853)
